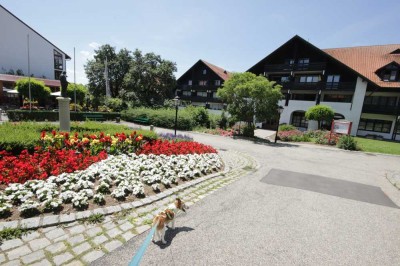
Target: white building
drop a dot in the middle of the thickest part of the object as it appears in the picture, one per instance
(362, 84)
(46, 61)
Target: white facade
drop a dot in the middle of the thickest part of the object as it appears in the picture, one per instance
(14, 48)
(351, 111)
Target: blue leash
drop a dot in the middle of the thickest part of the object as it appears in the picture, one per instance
(139, 254)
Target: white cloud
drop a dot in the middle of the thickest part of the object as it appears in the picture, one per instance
(85, 55)
(94, 45)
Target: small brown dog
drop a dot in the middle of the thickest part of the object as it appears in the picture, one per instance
(168, 216)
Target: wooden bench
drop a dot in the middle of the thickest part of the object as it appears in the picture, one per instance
(95, 117)
(142, 120)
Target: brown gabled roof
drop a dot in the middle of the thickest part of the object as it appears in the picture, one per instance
(12, 78)
(222, 73)
(366, 60)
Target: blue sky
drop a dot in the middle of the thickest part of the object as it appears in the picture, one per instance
(231, 34)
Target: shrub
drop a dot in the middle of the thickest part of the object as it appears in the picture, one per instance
(248, 131)
(293, 135)
(327, 138)
(115, 104)
(199, 114)
(38, 90)
(347, 142)
(160, 117)
(26, 115)
(320, 113)
(223, 121)
(287, 127)
(72, 107)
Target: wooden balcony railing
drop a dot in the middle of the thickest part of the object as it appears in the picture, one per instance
(380, 109)
(337, 86)
(317, 66)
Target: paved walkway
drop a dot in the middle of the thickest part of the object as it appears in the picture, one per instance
(79, 243)
(240, 219)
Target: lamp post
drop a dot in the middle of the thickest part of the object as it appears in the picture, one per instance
(279, 110)
(176, 102)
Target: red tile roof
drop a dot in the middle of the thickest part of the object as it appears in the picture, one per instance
(366, 60)
(47, 82)
(222, 73)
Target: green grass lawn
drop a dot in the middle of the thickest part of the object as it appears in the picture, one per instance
(381, 146)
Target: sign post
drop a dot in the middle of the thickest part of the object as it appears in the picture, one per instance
(340, 127)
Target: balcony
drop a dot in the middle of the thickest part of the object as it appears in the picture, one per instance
(283, 68)
(200, 99)
(380, 109)
(337, 86)
(198, 87)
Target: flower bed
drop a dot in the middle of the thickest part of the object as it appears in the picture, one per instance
(221, 132)
(169, 148)
(118, 178)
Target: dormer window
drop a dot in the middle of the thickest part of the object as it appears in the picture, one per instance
(204, 71)
(390, 72)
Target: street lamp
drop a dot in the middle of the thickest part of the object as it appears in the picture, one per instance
(176, 103)
(279, 110)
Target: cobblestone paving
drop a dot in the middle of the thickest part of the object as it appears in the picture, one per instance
(79, 242)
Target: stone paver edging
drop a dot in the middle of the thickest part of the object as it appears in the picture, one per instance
(73, 242)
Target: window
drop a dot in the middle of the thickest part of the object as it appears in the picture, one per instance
(299, 119)
(215, 95)
(58, 61)
(304, 61)
(376, 125)
(285, 79)
(289, 61)
(202, 94)
(217, 82)
(190, 82)
(393, 75)
(309, 79)
(303, 97)
(333, 78)
(337, 98)
(204, 71)
(186, 93)
(203, 82)
(382, 101)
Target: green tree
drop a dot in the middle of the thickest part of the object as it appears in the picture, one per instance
(320, 113)
(39, 91)
(118, 66)
(247, 95)
(81, 92)
(150, 79)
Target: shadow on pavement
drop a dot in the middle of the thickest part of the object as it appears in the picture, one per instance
(170, 234)
(261, 141)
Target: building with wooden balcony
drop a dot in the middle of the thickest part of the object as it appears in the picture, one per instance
(199, 84)
(362, 84)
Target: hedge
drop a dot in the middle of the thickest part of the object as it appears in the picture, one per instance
(34, 115)
(160, 117)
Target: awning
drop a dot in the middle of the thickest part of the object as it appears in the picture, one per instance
(13, 92)
(57, 94)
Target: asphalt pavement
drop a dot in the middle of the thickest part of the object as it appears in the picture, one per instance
(253, 222)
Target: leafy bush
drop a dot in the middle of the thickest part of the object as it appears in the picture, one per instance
(160, 117)
(38, 90)
(115, 104)
(347, 142)
(26, 115)
(327, 138)
(293, 135)
(80, 90)
(72, 107)
(320, 113)
(199, 114)
(287, 127)
(315, 133)
(223, 121)
(248, 131)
